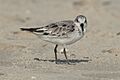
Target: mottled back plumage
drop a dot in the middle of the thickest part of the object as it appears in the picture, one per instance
(61, 29)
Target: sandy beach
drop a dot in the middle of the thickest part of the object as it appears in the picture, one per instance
(23, 56)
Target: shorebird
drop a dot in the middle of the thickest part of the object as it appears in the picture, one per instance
(61, 33)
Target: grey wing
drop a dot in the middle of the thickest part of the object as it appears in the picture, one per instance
(58, 29)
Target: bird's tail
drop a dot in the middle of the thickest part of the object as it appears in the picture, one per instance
(29, 29)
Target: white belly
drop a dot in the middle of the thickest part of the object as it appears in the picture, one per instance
(72, 38)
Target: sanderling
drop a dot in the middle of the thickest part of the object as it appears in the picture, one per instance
(61, 33)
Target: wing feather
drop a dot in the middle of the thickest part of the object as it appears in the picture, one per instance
(61, 29)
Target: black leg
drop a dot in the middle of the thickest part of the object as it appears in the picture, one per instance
(55, 51)
(65, 55)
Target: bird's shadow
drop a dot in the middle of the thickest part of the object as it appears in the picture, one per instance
(59, 61)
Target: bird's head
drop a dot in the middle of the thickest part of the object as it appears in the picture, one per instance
(81, 21)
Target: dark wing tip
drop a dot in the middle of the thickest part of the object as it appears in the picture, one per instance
(22, 29)
(29, 29)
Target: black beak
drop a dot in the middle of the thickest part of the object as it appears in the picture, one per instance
(82, 26)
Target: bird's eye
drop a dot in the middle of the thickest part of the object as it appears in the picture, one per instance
(85, 21)
(77, 20)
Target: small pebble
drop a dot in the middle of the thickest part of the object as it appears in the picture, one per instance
(33, 77)
(118, 33)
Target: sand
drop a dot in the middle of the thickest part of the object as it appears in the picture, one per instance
(23, 56)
